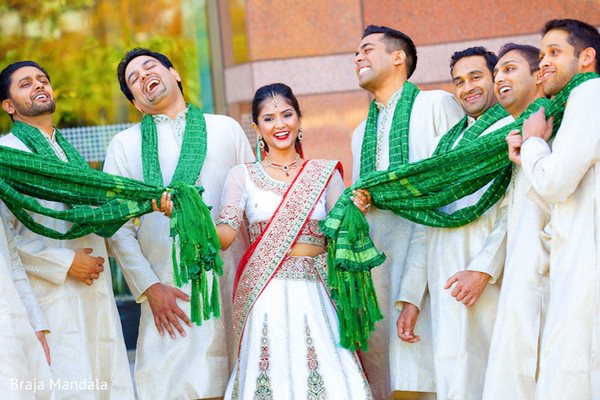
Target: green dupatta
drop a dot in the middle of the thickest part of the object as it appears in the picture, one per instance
(416, 191)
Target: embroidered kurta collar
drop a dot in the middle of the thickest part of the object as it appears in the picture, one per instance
(54, 144)
(50, 138)
(161, 118)
(384, 123)
(178, 123)
(391, 104)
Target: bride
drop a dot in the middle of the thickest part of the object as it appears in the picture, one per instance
(285, 325)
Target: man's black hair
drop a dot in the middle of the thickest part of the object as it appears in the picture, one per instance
(134, 53)
(529, 53)
(490, 58)
(6, 75)
(395, 40)
(581, 35)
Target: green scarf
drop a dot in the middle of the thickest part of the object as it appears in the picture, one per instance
(193, 149)
(487, 119)
(115, 200)
(398, 136)
(103, 202)
(189, 165)
(38, 144)
(416, 191)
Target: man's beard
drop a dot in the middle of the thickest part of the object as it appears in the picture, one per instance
(561, 79)
(35, 109)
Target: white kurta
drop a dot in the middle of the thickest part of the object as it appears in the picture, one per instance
(567, 177)
(85, 339)
(514, 350)
(460, 335)
(196, 366)
(24, 371)
(434, 113)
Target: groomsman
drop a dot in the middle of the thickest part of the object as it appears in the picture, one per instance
(565, 175)
(513, 360)
(67, 276)
(196, 364)
(385, 59)
(459, 267)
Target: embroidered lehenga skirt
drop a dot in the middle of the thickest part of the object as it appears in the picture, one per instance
(290, 346)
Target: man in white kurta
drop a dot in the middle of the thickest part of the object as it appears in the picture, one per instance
(456, 264)
(85, 336)
(513, 361)
(24, 370)
(390, 364)
(566, 175)
(194, 364)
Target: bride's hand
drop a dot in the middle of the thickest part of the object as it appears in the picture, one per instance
(362, 200)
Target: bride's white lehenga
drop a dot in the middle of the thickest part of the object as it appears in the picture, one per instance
(289, 346)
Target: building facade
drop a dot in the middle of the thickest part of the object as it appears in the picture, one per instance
(226, 49)
(310, 46)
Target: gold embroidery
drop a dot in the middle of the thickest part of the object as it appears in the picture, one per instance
(297, 268)
(235, 393)
(310, 232)
(263, 382)
(272, 249)
(231, 215)
(316, 387)
(263, 181)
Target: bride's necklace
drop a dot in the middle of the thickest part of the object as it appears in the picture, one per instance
(284, 167)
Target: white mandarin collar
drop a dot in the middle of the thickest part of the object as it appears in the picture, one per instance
(182, 115)
(391, 104)
(470, 121)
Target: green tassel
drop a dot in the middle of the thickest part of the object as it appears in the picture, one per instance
(357, 308)
(198, 250)
(332, 276)
(218, 263)
(195, 306)
(214, 297)
(205, 299)
(373, 304)
(176, 274)
(185, 276)
(355, 223)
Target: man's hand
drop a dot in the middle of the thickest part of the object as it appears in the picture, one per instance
(537, 125)
(514, 141)
(406, 323)
(469, 287)
(86, 268)
(41, 336)
(162, 299)
(166, 204)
